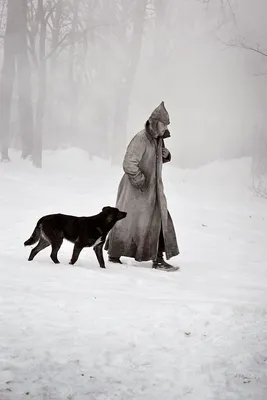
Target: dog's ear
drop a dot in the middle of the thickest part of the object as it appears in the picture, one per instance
(105, 208)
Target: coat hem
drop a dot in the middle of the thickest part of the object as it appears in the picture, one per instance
(168, 256)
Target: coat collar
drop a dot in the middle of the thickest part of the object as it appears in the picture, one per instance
(153, 140)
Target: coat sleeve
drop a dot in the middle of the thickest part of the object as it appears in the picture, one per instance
(132, 158)
(167, 159)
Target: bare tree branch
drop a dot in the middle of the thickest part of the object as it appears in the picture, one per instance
(231, 11)
(78, 35)
(58, 45)
(50, 12)
(260, 73)
(255, 49)
(242, 45)
(259, 191)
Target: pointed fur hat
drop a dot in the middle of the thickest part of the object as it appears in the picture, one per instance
(161, 114)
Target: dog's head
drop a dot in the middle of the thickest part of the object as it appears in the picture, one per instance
(113, 214)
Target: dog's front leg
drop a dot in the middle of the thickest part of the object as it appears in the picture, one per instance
(99, 254)
(76, 252)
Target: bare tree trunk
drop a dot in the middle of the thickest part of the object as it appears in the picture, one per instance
(38, 139)
(127, 81)
(53, 72)
(56, 32)
(24, 81)
(104, 100)
(7, 79)
(160, 36)
(72, 82)
(15, 54)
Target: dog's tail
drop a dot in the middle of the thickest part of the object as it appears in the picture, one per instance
(35, 235)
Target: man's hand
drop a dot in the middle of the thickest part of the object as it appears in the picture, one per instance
(165, 152)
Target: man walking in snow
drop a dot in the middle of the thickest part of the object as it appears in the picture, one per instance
(148, 230)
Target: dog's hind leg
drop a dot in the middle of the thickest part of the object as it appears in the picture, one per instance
(76, 252)
(56, 244)
(42, 244)
(99, 254)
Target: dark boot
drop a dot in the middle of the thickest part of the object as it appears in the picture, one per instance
(115, 260)
(161, 264)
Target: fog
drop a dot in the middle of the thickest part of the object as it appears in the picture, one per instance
(95, 316)
(93, 71)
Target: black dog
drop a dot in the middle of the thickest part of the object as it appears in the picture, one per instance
(82, 231)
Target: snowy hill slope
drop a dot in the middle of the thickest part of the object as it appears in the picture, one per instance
(129, 332)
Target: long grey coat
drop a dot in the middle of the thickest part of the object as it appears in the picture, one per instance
(141, 195)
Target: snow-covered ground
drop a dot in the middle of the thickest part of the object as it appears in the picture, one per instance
(130, 332)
